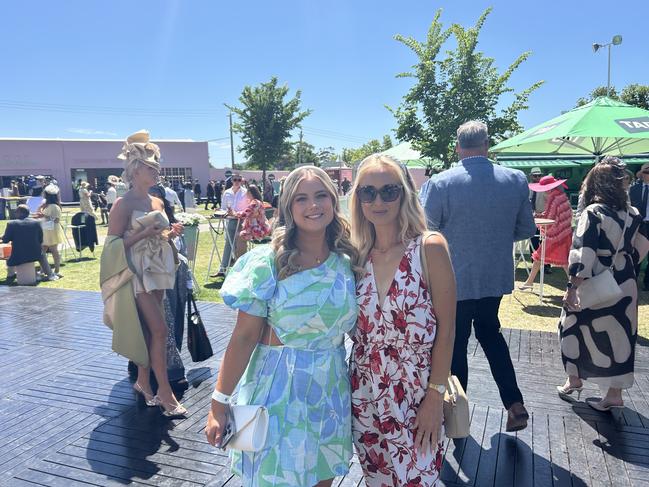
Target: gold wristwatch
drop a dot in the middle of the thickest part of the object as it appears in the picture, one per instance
(441, 388)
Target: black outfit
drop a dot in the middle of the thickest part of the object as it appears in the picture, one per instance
(483, 314)
(217, 195)
(210, 196)
(639, 195)
(27, 238)
(181, 197)
(197, 193)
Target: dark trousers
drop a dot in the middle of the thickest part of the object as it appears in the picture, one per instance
(483, 314)
(210, 199)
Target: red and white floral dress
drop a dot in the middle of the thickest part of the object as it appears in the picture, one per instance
(389, 370)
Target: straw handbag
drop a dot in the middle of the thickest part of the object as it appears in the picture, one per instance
(456, 404)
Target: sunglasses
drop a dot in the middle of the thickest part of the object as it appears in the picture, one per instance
(388, 193)
(236, 179)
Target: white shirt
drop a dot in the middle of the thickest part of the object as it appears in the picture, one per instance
(172, 197)
(111, 195)
(237, 201)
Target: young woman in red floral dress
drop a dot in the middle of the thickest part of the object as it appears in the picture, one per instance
(403, 341)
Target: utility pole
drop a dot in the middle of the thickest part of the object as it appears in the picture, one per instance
(231, 143)
(299, 150)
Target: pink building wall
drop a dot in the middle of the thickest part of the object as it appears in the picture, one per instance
(58, 157)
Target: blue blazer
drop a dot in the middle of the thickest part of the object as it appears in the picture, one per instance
(482, 209)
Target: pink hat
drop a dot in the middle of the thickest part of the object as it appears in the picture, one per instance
(547, 183)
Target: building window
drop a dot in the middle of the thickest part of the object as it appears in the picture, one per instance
(177, 176)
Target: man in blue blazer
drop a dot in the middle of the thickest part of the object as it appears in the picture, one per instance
(639, 196)
(482, 209)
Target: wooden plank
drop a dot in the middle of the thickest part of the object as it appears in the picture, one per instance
(576, 452)
(467, 473)
(542, 475)
(490, 443)
(559, 452)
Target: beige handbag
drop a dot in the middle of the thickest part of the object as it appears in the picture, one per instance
(602, 290)
(456, 409)
(456, 404)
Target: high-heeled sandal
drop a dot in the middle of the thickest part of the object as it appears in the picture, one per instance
(177, 411)
(565, 393)
(149, 399)
(597, 406)
(525, 287)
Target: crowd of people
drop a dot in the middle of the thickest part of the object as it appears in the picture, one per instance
(405, 279)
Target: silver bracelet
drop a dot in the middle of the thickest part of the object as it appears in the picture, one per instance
(220, 397)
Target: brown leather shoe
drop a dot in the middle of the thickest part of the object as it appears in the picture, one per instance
(517, 417)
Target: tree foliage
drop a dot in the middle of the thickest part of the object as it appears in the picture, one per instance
(633, 94)
(371, 147)
(265, 123)
(464, 85)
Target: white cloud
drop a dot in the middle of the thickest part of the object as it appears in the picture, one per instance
(220, 145)
(90, 132)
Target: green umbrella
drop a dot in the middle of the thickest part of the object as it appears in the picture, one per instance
(601, 127)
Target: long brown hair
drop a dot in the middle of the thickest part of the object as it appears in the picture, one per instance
(605, 184)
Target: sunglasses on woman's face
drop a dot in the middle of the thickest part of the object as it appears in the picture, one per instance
(388, 193)
(236, 179)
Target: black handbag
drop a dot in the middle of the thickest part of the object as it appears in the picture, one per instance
(197, 341)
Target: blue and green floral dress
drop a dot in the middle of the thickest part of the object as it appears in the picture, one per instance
(304, 383)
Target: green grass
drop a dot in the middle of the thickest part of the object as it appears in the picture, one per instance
(518, 310)
(525, 310)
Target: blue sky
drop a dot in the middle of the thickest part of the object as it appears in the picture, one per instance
(93, 69)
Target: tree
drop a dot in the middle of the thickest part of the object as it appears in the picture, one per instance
(637, 95)
(465, 85)
(326, 154)
(596, 93)
(371, 147)
(633, 94)
(305, 153)
(265, 123)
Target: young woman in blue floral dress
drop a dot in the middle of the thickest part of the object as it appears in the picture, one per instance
(296, 300)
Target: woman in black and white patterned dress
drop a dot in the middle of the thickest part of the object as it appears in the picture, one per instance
(598, 343)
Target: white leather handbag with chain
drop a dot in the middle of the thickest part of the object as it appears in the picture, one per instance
(250, 426)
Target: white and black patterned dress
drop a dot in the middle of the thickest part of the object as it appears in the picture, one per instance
(598, 343)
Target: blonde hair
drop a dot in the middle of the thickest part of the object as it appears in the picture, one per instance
(285, 233)
(412, 221)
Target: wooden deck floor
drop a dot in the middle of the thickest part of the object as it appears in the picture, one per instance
(69, 418)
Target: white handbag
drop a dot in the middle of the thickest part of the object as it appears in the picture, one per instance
(602, 290)
(250, 426)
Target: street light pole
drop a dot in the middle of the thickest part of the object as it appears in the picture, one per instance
(616, 41)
